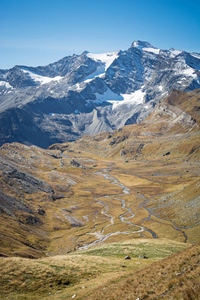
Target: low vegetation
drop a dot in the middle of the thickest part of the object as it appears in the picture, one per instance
(71, 213)
(95, 273)
(176, 277)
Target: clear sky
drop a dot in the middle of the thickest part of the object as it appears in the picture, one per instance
(37, 32)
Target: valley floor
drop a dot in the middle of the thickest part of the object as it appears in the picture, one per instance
(115, 208)
(71, 213)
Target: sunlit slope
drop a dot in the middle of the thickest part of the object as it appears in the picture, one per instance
(141, 181)
(103, 271)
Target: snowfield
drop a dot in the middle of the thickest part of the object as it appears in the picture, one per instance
(105, 58)
(41, 79)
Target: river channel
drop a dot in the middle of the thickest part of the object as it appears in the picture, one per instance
(100, 235)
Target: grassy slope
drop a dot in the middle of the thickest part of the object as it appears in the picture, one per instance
(176, 277)
(88, 272)
(158, 160)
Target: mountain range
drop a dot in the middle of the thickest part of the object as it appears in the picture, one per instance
(90, 93)
(115, 214)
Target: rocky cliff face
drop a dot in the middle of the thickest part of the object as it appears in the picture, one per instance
(90, 93)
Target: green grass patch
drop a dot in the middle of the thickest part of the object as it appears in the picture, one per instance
(149, 249)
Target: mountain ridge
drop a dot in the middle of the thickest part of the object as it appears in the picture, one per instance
(122, 86)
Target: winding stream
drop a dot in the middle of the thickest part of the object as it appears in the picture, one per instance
(151, 214)
(101, 237)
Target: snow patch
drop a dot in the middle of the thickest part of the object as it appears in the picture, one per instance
(107, 96)
(196, 55)
(147, 105)
(141, 45)
(105, 58)
(145, 46)
(130, 99)
(79, 86)
(152, 50)
(41, 79)
(117, 100)
(175, 52)
(183, 69)
(190, 72)
(100, 72)
(6, 84)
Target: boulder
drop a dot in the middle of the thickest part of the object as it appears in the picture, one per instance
(127, 257)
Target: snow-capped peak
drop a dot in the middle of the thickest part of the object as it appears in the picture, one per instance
(105, 58)
(141, 44)
(97, 92)
(145, 46)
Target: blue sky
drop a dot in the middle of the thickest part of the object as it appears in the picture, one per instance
(37, 32)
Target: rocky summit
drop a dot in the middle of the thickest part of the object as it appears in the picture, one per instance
(90, 93)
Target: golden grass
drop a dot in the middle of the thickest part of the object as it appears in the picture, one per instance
(149, 178)
(63, 276)
(176, 277)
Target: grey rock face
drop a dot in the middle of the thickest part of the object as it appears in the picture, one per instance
(9, 204)
(18, 183)
(126, 72)
(87, 94)
(28, 183)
